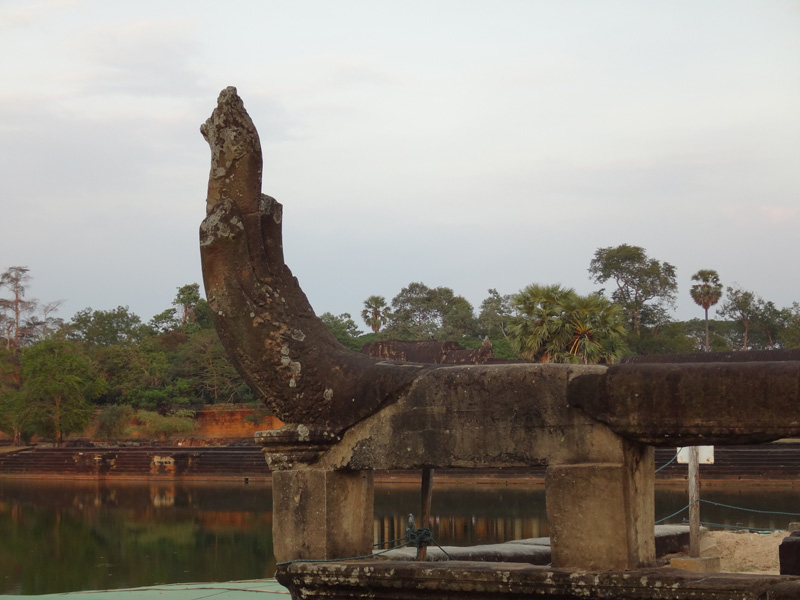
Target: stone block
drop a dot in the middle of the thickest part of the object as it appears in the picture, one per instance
(789, 554)
(704, 564)
(322, 514)
(600, 514)
(671, 539)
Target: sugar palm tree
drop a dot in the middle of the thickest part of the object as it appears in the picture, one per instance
(375, 313)
(540, 333)
(555, 324)
(706, 293)
(598, 331)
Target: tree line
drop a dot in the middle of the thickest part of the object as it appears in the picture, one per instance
(54, 373)
(630, 314)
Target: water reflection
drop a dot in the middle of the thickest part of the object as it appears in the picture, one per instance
(767, 507)
(65, 535)
(464, 516)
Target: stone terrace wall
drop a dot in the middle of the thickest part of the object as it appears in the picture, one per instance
(231, 422)
(219, 424)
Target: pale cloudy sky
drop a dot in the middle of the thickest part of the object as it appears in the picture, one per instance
(468, 144)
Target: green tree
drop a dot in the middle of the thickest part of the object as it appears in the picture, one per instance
(186, 303)
(423, 313)
(205, 365)
(15, 309)
(641, 282)
(541, 332)
(113, 422)
(375, 313)
(38, 328)
(16, 417)
(60, 383)
(142, 375)
(555, 324)
(108, 327)
(706, 293)
(413, 312)
(742, 306)
(164, 427)
(344, 329)
(456, 316)
(189, 312)
(496, 313)
(790, 335)
(165, 321)
(768, 323)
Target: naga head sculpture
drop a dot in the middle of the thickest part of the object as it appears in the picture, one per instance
(284, 352)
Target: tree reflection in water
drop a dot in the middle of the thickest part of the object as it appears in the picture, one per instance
(464, 516)
(63, 535)
(66, 535)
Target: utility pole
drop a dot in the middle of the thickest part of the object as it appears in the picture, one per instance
(425, 517)
(694, 502)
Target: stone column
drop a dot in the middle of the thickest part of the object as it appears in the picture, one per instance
(601, 514)
(320, 513)
(317, 512)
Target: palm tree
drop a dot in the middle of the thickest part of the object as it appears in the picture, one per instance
(598, 330)
(540, 333)
(558, 325)
(375, 313)
(706, 293)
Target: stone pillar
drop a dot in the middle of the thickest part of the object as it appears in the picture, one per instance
(319, 513)
(601, 515)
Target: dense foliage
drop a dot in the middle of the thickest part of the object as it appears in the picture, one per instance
(54, 374)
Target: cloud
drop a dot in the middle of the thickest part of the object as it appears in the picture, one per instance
(767, 216)
(779, 214)
(140, 58)
(28, 14)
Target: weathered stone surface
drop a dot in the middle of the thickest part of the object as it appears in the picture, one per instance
(789, 554)
(586, 531)
(322, 514)
(440, 353)
(462, 580)
(694, 404)
(509, 552)
(284, 352)
(479, 416)
(701, 564)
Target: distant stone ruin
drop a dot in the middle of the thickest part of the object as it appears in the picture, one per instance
(430, 352)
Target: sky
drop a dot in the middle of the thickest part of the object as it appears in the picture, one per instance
(466, 144)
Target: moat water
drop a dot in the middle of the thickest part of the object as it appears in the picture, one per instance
(62, 535)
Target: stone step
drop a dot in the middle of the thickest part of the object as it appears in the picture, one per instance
(137, 461)
(765, 461)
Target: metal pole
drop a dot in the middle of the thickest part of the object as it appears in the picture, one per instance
(425, 517)
(694, 502)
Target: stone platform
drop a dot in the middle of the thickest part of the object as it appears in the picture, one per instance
(513, 570)
(462, 580)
